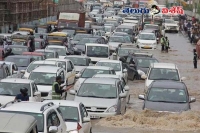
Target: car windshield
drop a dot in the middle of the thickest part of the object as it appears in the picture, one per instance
(37, 57)
(169, 21)
(151, 27)
(117, 39)
(78, 61)
(69, 113)
(78, 37)
(18, 50)
(38, 116)
(60, 51)
(126, 30)
(89, 73)
(37, 44)
(42, 78)
(127, 39)
(49, 54)
(115, 66)
(87, 40)
(32, 66)
(18, 43)
(147, 37)
(126, 51)
(20, 62)
(175, 18)
(97, 51)
(145, 63)
(12, 89)
(164, 74)
(98, 90)
(171, 95)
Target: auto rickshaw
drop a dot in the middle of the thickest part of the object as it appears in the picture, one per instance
(29, 28)
(57, 38)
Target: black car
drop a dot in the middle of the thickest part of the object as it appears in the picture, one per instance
(138, 64)
(166, 95)
(21, 61)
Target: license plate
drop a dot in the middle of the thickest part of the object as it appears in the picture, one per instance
(147, 47)
(93, 116)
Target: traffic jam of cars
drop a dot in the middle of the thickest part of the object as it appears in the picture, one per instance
(98, 59)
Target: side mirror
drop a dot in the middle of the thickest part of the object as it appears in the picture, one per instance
(141, 97)
(22, 71)
(86, 119)
(144, 77)
(125, 70)
(192, 99)
(53, 129)
(78, 75)
(72, 92)
(37, 93)
(122, 95)
(183, 78)
(126, 88)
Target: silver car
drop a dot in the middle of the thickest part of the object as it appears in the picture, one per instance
(101, 97)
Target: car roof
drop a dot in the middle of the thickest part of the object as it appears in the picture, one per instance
(99, 67)
(18, 46)
(64, 102)
(168, 84)
(106, 76)
(21, 56)
(143, 32)
(125, 26)
(55, 46)
(24, 106)
(110, 81)
(111, 61)
(16, 80)
(9, 122)
(44, 50)
(164, 65)
(46, 69)
(116, 36)
(122, 33)
(77, 56)
(56, 59)
(44, 62)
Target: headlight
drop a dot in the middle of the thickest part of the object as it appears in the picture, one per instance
(112, 109)
(75, 131)
(77, 85)
(140, 72)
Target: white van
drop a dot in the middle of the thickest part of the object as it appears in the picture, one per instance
(97, 52)
(8, 123)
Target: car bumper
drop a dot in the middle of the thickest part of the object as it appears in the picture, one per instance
(101, 115)
(147, 46)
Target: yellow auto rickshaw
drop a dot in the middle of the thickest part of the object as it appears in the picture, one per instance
(57, 38)
(29, 28)
(20, 39)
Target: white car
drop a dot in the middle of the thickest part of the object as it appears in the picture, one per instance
(75, 116)
(162, 71)
(62, 50)
(69, 68)
(170, 25)
(47, 115)
(146, 40)
(117, 66)
(13, 69)
(123, 83)
(36, 64)
(89, 72)
(101, 97)
(10, 87)
(44, 77)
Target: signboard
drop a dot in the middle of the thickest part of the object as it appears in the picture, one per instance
(118, 3)
(69, 16)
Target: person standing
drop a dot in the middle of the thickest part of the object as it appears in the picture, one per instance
(195, 58)
(166, 44)
(57, 89)
(162, 41)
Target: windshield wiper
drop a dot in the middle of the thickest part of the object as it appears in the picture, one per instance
(167, 101)
(43, 84)
(68, 119)
(164, 79)
(91, 96)
(109, 97)
(79, 65)
(6, 94)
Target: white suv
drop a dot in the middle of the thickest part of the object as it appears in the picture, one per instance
(162, 71)
(48, 115)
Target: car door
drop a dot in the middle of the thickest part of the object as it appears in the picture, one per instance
(36, 98)
(122, 100)
(69, 73)
(125, 74)
(85, 125)
(123, 84)
(53, 120)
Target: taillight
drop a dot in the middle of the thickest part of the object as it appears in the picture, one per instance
(78, 126)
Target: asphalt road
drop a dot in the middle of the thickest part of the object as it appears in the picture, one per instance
(181, 54)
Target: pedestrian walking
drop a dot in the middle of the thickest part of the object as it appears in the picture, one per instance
(162, 41)
(166, 44)
(23, 96)
(195, 58)
(57, 89)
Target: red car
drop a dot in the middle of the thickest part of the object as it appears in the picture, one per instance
(35, 55)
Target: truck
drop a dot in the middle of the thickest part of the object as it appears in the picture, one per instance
(71, 18)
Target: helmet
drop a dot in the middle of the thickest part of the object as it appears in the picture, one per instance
(24, 90)
(41, 36)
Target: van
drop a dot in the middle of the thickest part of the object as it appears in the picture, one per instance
(10, 123)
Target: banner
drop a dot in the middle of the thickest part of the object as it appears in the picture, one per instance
(69, 16)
